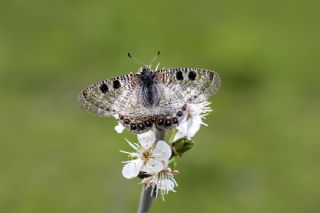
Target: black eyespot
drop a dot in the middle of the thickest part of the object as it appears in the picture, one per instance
(133, 127)
(167, 122)
(192, 75)
(160, 122)
(179, 75)
(116, 84)
(104, 88)
(141, 126)
(126, 121)
(179, 114)
(175, 120)
(211, 75)
(148, 124)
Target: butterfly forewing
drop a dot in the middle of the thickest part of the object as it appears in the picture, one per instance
(105, 98)
(194, 85)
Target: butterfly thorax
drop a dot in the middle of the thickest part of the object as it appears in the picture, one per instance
(150, 92)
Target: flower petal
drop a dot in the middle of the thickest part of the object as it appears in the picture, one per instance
(199, 109)
(182, 130)
(119, 128)
(132, 169)
(166, 185)
(193, 126)
(147, 139)
(162, 152)
(153, 166)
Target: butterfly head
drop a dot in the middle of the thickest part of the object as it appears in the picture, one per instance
(147, 76)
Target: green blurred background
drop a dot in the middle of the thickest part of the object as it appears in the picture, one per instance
(260, 152)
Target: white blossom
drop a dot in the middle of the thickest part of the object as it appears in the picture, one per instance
(149, 157)
(162, 181)
(190, 125)
(119, 128)
(147, 139)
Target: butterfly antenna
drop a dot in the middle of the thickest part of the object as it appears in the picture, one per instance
(154, 58)
(139, 62)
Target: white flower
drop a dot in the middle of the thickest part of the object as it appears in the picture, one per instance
(190, 125)
(162, 181)
(147, 139)
(149, 157)
(119, 128)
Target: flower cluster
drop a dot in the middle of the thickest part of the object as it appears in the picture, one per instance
(150, 158)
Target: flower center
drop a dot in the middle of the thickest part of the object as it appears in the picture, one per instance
(145, 154)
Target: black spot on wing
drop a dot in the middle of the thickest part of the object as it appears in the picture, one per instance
(141, 126)
(133, 126)
(160, 122)
(84, 94)
(104, 88)
(179, 75)
(175, 120)
(148, 124)
(192, 75)
(116, 84)
(167, 122)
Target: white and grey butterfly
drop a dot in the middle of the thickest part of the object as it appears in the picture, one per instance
(148, 98)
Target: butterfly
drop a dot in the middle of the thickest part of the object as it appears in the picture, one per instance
(149, 98)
